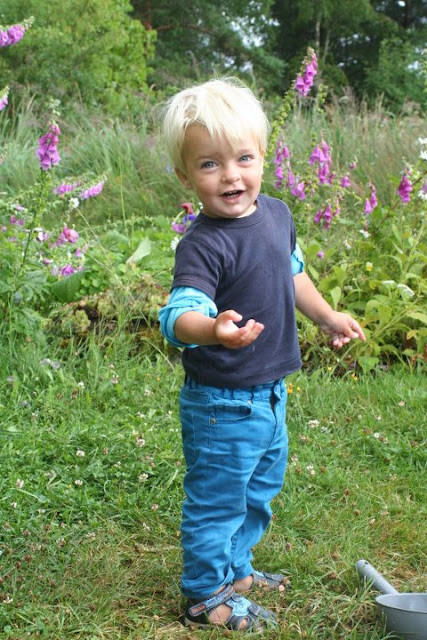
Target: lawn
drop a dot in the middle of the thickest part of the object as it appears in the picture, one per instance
(91, 492)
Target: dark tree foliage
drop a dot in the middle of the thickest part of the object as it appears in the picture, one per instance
(197, 39)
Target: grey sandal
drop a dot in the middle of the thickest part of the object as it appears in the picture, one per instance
(243, 612)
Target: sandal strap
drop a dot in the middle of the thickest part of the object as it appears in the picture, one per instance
(205, 606)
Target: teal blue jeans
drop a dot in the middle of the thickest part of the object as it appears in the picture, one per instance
(236, 447)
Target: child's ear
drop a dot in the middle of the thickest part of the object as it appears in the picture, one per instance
(183, 178)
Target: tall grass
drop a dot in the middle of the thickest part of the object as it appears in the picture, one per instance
(134, 159)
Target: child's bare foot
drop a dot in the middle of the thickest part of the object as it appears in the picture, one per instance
(261, 579)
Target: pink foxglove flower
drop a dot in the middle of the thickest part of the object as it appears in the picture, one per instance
(304, 80)
(66, 270)
(66, 188)
(345, 182)
(47, 150)
(93, 191)
(4, 98)
(372, 202)
(404, 189)
(13, 34)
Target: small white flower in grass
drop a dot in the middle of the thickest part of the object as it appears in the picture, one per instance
(73, 203)
(19, 483)
(155, 507)
(313, 423)
(81, 385)
(146, 526)
(423, 155)
(140, 442)
(422, 141)
(147, 391)
(311, 470)
(13, 505)
(347, 244)
(7, 600)
(80, 453)
(91, 535)
(140, 415)
(78, 483)
(143, 477)
(364, 233)
(401, 403)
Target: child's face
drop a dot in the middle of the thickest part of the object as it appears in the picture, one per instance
(227, 182)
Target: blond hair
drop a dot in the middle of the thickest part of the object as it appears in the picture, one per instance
(224, 107)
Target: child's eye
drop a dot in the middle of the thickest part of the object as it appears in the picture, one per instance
(246, 158)
(208, 164)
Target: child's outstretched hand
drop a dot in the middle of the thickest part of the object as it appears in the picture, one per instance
(230, 335)
(342, 327)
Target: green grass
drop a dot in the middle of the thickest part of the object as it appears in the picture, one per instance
(90, 543)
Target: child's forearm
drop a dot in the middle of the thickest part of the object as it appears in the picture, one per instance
(309, 301)
(193, 327)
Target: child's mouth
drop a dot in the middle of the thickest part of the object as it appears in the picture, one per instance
(232, 194)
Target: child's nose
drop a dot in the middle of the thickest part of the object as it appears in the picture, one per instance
(230, 173)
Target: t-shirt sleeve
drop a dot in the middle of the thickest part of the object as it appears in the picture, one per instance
(196, 266)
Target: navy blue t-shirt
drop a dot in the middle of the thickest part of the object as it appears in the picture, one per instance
(244, 264)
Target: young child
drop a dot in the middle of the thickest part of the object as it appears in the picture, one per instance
(238, 277)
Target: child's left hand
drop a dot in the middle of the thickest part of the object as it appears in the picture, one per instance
(343, 328)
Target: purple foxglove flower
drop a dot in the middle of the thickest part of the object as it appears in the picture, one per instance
(301, 86)
(178, 227)
(373, 199)
(4, 98)
(47, 150)
(404, 189)
(318, 216)
(368, 207)
(321, 254)
(345, 182)
(69, 235)
(352, 165)
(291, 178)
(323, 173)
(298, 191)
(66, 188)
(304, 82)
(93, 191)
(67, 270)
(12, 34)
(278, 172)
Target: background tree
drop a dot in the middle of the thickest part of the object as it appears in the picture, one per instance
(354, 40)
(196, 39)
(89, 50)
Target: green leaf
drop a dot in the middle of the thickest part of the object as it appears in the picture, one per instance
(66, 289)
(143, 250)
(417, 315)
(335, 294)
(368, 363)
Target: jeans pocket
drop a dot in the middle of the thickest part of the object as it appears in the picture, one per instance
(229, 411)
